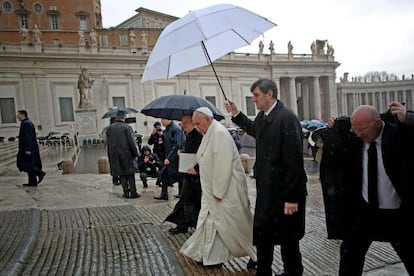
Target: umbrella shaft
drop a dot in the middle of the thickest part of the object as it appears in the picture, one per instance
(214, 70)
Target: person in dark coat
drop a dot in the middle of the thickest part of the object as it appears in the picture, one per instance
(174, 139)
(279, 216)
(236, 138)
(115, 178)
(149, 165)
(378, 197)
(157, 140)
(122, 151)
(28, 156)
(186, 210)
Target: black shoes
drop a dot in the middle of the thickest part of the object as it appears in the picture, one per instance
(161, 197)
(178, 230)
(177, 196)
(41, 176)
(116, 180)
(30, 184)
(32, 179)
(134, 196)
(251, 264)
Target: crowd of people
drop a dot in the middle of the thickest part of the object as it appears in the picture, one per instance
(213, 194)
(364, 171)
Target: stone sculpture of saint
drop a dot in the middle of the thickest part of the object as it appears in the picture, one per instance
(313, 48)
(271, 47)
(290, 48)
(84, 85)
(261, 46)
(132, 38)
(330, 50)
(93, 36)
(24, 32)
(37, 34)
(81, 35)
(144, 40)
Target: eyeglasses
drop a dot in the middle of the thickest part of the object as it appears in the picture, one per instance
(364, 129)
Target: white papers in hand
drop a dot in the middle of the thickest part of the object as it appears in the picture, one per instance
(186, 161)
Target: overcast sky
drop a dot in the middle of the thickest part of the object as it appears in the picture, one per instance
(367, 35)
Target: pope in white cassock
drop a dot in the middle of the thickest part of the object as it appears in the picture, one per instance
(225, 223)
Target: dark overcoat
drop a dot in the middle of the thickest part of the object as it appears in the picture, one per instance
(174, 139)
(28, 142)
(188, 206)
(122, 148)
(279, 171)
(341, 172)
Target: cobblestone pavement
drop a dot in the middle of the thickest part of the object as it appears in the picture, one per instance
(80, 225)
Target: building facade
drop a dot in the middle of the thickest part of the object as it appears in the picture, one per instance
(41, 71)
(378, 93)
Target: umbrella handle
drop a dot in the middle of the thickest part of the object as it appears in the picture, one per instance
(214, 70)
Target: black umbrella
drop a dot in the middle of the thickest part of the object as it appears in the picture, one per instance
(173, 107)
(114, 110)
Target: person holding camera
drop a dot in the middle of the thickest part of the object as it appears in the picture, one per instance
(149, 165)
(157, 140)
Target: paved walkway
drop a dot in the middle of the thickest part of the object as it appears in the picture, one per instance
(80, 224)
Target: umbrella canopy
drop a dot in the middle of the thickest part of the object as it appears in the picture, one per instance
(114, 110)
(201, 37)
(173, 107)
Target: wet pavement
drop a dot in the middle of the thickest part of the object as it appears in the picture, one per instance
(80, 225)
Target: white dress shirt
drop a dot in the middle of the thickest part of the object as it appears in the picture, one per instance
(387, 195)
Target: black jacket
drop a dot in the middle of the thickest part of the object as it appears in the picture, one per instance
(149, 168)
(28, 142)
(341, 170)
(157, 140)
(279, 171)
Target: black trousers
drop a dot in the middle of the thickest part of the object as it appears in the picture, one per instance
(143, 176)
(32, 176)
(128, 185)
(168, 177)
(289, 250)
(376, 225)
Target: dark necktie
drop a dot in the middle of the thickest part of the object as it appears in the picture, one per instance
(372, 176)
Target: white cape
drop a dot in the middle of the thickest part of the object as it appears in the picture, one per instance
(224, 228)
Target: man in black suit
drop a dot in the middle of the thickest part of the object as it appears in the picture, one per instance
(378, 195)
(279, 216)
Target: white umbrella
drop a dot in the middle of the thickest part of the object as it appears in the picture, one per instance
(201, 37)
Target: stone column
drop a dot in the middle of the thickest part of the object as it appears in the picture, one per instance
(333, 101)
(305, 99)
(381, 106)
(277, 81)
(356, 100)
(316, 98)
(292, 95)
